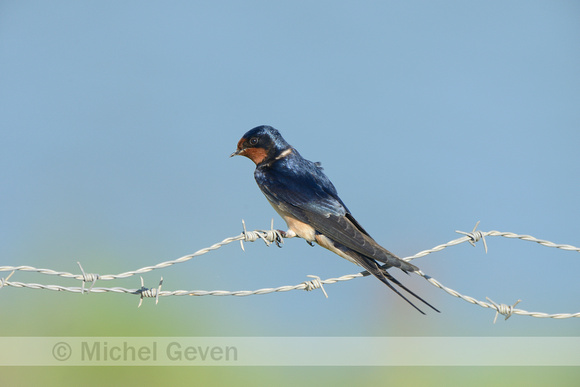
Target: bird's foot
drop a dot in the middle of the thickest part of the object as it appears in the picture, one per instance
(287, 234)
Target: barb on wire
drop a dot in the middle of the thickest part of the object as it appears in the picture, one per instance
(474, 236)
(315, 283)
(275, 236)
(146, 292)
(506, 310)
(4, 281)
(91, 277)
(268, 236)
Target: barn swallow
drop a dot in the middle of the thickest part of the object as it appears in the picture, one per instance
(306, 199)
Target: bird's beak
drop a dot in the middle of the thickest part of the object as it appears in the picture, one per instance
(240, 148)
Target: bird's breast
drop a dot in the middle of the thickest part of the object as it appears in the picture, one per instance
(301, 229)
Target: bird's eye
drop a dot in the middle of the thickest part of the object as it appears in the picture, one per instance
(253, 141)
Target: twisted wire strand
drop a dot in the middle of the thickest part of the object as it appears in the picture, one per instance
(277, 237)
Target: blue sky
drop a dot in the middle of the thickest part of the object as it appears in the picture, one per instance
(117, 119)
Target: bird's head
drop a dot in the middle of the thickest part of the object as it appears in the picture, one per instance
(261, 144)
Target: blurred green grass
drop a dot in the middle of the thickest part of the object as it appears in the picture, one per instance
(290, 376)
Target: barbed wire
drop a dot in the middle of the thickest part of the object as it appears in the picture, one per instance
(274, 236)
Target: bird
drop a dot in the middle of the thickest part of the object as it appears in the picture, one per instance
(306, 199)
